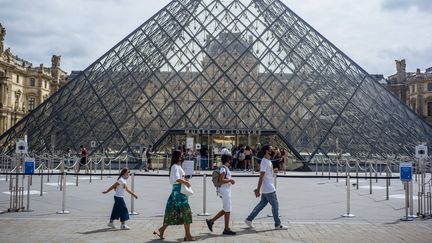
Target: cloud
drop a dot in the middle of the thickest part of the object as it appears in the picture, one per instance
(420, 5)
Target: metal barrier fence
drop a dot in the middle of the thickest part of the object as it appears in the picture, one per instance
(49, 166)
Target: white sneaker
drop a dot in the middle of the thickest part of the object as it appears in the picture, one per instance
(124, 227)
(249, 223)
(281, 227)
(111, 225)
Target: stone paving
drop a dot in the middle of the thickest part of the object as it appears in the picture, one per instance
(311, 209)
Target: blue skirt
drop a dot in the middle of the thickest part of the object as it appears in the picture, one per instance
(119, 210)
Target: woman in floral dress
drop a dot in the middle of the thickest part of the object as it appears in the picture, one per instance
(177, 210)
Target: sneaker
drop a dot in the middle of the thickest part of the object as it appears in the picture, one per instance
(228, 232)
(124, 227)
(210, 224)
(249, 223)
(281, 227)
(111, 225)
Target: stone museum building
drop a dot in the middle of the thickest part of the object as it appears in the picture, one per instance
(413, 88)
(22, 86)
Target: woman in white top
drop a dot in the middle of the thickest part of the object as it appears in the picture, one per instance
(177, 210)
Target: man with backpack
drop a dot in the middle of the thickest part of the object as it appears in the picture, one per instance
(221, 178)
(267, 190)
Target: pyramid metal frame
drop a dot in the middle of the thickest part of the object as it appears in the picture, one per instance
(225, 64)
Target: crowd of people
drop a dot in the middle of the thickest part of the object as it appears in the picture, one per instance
(177, 208)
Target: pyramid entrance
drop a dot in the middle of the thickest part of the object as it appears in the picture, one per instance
(228, 65)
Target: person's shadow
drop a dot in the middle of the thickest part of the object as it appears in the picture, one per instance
(98, 231)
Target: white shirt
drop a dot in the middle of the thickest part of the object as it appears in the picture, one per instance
(120, 189)
(268, 182)
(177, 172)
(225, 186)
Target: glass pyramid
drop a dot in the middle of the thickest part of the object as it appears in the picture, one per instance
(225, 64)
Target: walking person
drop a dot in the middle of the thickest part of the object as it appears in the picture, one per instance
(266, 190)
(120, 210)
(144, 160)
(224, 192)
(248, 158)
(283, 160)
(177, 210)
(83, 160)
(149, 154)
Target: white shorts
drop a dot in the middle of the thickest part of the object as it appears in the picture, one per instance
(226, 200)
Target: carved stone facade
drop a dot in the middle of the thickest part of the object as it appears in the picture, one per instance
(22, 86)
(414, 88)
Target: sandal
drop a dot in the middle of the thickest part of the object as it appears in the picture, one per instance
(160, 235)
(190, 239)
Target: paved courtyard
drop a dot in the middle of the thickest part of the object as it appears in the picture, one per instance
(310, 207)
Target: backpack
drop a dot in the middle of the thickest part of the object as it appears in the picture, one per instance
(215, 177)
(241, 156)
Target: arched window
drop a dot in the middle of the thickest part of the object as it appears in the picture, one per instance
(32, 82)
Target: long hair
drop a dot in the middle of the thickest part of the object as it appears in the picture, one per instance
(176, 156)
(123, 172)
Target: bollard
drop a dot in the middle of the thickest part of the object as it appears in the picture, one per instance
(357, 174)
(411, 200)
(387, 185)
(76, 182)
(90, 170)
(102, 168)
(204, 213)
(132, 212)
(348, 214)
(337, 171)
(406, 218)
(370, 178)
(41, 187)
(28, 194)
(63, 211)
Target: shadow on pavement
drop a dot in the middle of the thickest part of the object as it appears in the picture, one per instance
(98, 231)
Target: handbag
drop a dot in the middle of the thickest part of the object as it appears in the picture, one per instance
(186, 190)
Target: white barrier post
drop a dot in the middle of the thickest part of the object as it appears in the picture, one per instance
(411, 200)
(63, 211)
(204, 213)
(348, 214)
(406, 217)
(132, 212)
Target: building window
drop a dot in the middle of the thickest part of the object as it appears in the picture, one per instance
(32, 82)
(17, 79)
(429, 108)
(429, 86)
(32, 103)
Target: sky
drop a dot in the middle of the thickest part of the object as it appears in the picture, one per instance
(373, 33)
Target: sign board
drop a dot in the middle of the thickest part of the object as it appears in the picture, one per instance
(21, 147)
(189, 143)
(197, 146)
(188, 167)
(405, 170)
(93, 144)
(29, 166)
(421, 151)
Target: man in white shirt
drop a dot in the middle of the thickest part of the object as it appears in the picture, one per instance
(267, 190)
